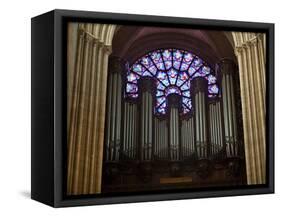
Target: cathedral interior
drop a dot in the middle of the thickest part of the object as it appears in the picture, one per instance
(158, 108)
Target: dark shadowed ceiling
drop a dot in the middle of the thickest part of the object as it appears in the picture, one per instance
(132, 42)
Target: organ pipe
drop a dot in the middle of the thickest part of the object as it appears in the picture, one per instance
(187, 137)
(174, 141)
(215, 129)
(146, 121)
(198, 91)
(161, 138)
(227, 69)
(130, 128)
(113, 135)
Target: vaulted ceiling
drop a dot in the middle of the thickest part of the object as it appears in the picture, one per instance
(132, 42)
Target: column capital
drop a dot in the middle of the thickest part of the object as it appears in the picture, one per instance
(198, 84)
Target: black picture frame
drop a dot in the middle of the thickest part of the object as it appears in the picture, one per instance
(48, 106)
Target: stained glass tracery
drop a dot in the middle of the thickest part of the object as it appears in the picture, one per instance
(173, 69)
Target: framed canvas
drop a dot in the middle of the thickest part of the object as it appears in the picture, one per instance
(133, 108)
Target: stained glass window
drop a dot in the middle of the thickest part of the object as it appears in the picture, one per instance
(173, 69)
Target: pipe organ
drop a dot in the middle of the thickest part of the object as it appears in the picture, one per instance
(161, 149)
(187, 138)
(199, 90)
(136, 133)
(130, 128)
(227, 69)
(215, 128)
(146, 121)
(113, 135)
(174, 141)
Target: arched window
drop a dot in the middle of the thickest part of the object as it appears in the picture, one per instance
(172, 71)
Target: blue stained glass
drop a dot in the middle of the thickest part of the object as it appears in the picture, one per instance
(170, 78)
(131, 88)
(197, 62)
(182, 78)
(171, 90)
(213, 89)
(160, 66)
(132, 77)
(159, 93)
(197, 74)
(191, 70)
(138, 68)
(167, 55)
(153, 70)
(186, 93)
(185, 86)
(187, 58)
(211, 79)
(160, 86)
(177, 64)
(177, 55)
(206, 70)
(162, 76)
(189, 104)
(159, 100)
(168, 64)
(184, 66)
(156, 56)
(162, 108)
(146, 61)
(185, 100)
(146, 73)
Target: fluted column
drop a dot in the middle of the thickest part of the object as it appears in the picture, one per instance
(113, 123)
(227, 70)
(174, 129)
(146, 120)
(215, 127)
(199, 96)
(87, 108)
(250, 52)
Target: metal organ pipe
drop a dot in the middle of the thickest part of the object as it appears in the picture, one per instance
(174, 143)
(215, 126)
(198, 91)
(146, 121)
(227, 69)
(113, 116)
(187, 137)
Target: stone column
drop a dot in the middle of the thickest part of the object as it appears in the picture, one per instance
(227, 71)
(87, 109)
(250, 52)
(199, 96)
